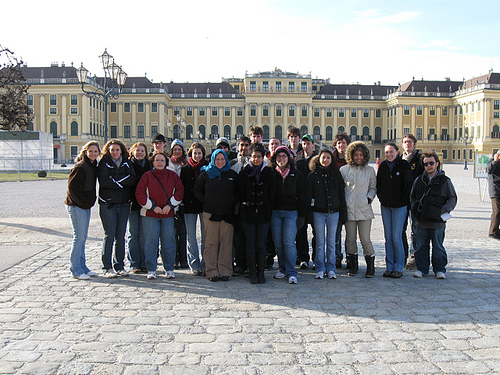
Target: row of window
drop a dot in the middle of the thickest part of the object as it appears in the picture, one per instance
(278, 86)
(140, 107)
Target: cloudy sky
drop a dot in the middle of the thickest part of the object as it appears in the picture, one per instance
(202, 41)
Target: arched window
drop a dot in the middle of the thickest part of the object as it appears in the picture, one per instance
(341, 129)
(214, 133)
(239, 130)
(366, 130)
(317, 133)
(278, 132)
(329, 133)
(53, 128)
(177, 131)
(189, 132)
(265, 129)
(303, 130)
(496, 129)
(74, 128)
(378, 134)
(203, 131)
(227, 131)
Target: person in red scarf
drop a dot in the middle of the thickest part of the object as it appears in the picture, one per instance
(176, 160)
(193, 208)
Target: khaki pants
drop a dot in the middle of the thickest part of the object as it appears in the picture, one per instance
(218, 253)
(364, 228)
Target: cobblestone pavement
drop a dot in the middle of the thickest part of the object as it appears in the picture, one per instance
(53, 324)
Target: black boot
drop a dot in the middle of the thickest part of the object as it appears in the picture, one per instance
(354, 265)
(348, 258)
(251, 267)
(261, 266)
(370, 266)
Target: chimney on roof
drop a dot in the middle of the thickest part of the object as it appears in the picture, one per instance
(447, 79)
(63, 65)
(54, 64)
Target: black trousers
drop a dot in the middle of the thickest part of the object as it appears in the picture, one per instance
(495, 217)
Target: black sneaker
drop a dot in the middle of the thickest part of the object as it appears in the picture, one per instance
(237, 271)
(225, 278)
(304, 265)
(214, 278)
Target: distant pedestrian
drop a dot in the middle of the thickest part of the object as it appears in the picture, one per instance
(433, 197)
(493, 169)
(116, 176)
(79, 201)
(393, 191)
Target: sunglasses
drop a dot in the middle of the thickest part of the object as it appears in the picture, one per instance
(429, 163)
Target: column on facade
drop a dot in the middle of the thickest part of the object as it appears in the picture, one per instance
(64, 115)
(233, 121)
(220, 112)
(133, 127)
(322, 129)
(486, 118)
(310, 111)
(147, 125)
(272, 127)
(43, 120)
(259, 114)
(247, 118)
(84, 114)
(298, 112)
(413, 125)
(161, 117)
(285, 118)
(372, 123)
(208, 129)
(335, 115)
(426, 122)
(195, 122)
(120, 128)
(360, 123)
(438, 123)
(399, 121)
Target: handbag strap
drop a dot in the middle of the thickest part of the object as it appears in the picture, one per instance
(168, 196)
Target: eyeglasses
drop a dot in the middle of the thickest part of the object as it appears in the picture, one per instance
(429, 163)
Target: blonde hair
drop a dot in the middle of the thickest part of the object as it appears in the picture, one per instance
(139, 144)
(85, 148)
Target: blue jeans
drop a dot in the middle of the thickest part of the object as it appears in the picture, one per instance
(439, 257)
(136, 241)
(195, 259)
(394, 220)
(325, 225)
(80, 220)
(163, 231)
(284, 229)
(114, 222)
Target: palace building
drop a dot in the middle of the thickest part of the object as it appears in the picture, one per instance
(446, 116)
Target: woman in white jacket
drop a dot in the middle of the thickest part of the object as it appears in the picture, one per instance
(360, 190)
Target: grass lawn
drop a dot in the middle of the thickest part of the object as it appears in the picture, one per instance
(31, 176)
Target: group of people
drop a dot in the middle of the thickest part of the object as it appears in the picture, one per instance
(254, 204)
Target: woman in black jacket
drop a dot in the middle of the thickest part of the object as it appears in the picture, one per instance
(136, 240)
(256, 182)
(116, 176)
(394, 183)
(289, 211)
(326, 196)
(193, 208)
(79, 200)
(217, 189)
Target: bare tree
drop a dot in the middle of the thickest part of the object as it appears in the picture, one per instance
(14, 110)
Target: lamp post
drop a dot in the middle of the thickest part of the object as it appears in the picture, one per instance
(181, 123)
(114, 79)
(467, 140)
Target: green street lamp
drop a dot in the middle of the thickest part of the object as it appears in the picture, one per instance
(114, 79)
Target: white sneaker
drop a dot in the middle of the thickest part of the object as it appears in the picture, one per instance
(151, 275)
(122, 273)
(92, 273)
(319, 275)
(83, 276)
(110, 274)
(440, 275)
(170, 275)
(332, 275)
(292, 280)
(418, 274)
(279, 275)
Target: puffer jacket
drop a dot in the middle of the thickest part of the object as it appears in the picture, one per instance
(115, 182)
(360, 184)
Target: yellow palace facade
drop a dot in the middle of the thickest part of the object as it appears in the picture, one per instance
(443, 115)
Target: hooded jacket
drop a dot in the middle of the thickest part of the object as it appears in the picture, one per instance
(393, 187)
(360, 184)
(326, 190)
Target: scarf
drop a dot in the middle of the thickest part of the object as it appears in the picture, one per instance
(176, 160)
(211, 169)
(255, 170)
(283, 173)
(117, 162)
(196, 166)
(409, 156)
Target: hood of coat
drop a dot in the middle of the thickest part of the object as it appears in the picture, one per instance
(355, 146)
(315, 166)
